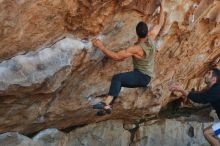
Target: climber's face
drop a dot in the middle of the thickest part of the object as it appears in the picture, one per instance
(209, 77)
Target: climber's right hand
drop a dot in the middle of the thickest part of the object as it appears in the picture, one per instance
(97, 43)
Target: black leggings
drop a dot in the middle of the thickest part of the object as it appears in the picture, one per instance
(131, 79)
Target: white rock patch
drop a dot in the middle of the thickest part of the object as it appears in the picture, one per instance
(35, 67)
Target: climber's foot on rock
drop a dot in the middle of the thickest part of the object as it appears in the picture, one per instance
(105, 109)
(104, 112)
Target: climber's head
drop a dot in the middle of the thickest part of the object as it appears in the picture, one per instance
(142, 29)
(213, 76)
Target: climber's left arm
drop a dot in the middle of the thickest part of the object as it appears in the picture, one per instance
(156, 29)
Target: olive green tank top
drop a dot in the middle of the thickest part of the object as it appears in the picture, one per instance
(146, 64)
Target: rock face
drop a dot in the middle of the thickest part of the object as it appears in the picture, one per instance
(112, 133)
(50, 137)
(105, 133)
(49, 67)
(171, 133)
(16, 139)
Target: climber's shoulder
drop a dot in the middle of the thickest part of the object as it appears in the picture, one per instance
(134, 49)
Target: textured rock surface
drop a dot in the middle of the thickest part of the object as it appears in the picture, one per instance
(16, 139)
(112, 133)
(104, 133)
(171, 133)
(50, 137)
(49, 67)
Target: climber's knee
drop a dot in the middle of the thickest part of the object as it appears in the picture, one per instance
(116, 77)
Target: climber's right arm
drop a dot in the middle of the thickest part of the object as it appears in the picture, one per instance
(120, 55)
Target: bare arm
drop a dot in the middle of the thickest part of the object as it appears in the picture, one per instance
(118, 56)
(156, 29)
